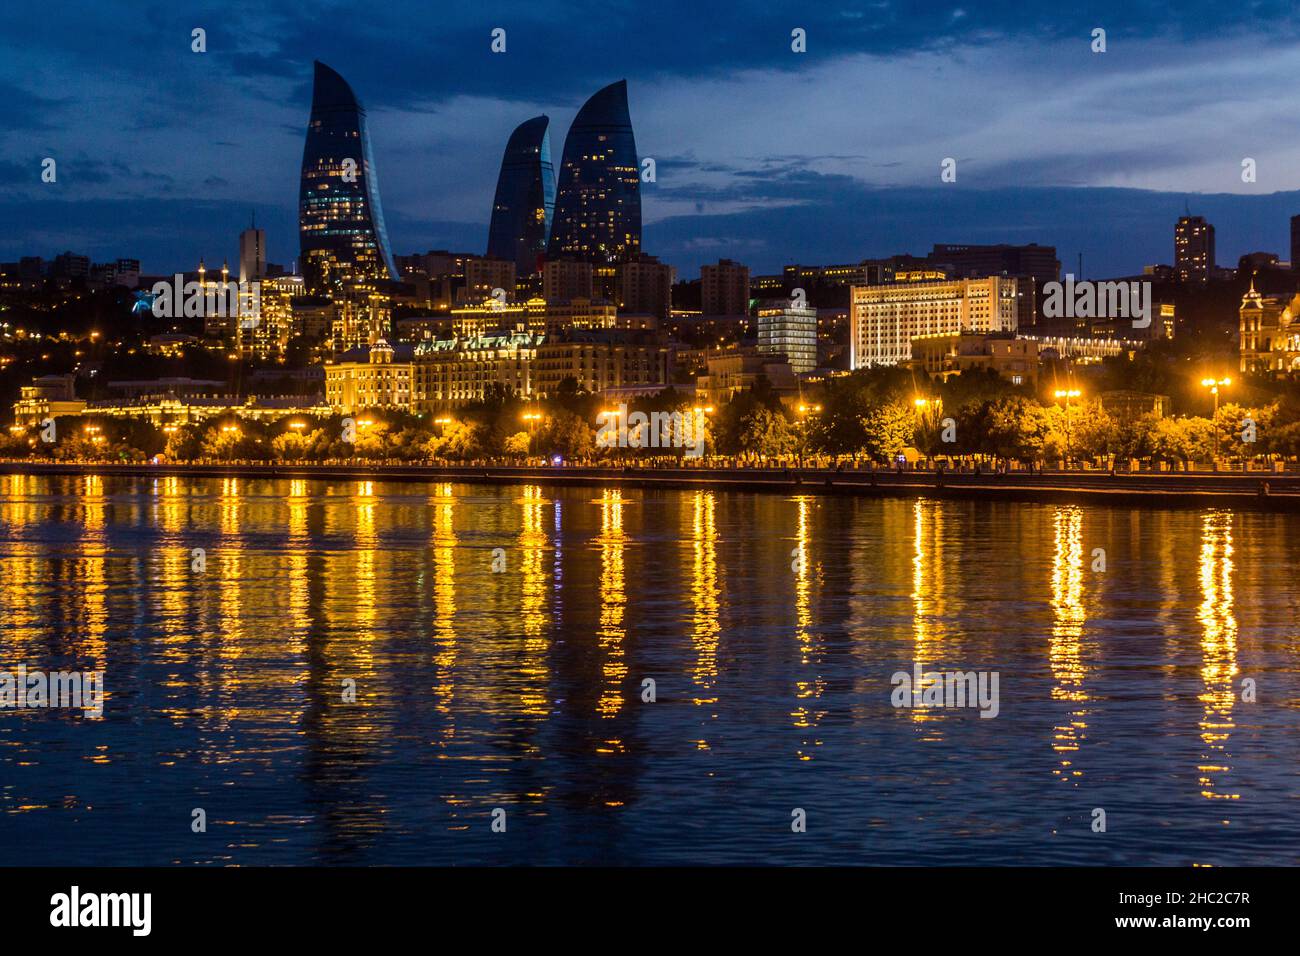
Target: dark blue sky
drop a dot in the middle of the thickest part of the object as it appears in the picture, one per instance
(762, 154)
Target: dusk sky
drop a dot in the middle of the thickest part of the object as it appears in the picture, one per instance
(762, 154)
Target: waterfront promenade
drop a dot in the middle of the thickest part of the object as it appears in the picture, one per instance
(1255, 489)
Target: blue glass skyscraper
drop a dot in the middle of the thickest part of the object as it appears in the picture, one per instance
(525, 198)
(598, 202)
(340, 220)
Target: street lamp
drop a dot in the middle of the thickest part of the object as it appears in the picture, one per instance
(532, 418)
(1065, 395)
(804, 412)
(1213, 385)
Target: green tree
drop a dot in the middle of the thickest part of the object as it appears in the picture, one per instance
(889, 428)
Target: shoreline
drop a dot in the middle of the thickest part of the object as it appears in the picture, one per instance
(1149, 490)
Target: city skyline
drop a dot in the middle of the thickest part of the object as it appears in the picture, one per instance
(810, 180)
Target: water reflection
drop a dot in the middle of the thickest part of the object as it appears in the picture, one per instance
(613, 605)
(350, 681)
(811, 682)
(1218, 654)
(928, 593)
(705, 593)
(1068, 658)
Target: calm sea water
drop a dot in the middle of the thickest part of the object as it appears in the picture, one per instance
(522, 690)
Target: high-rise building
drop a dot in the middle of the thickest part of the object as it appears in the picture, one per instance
(525, 199)
(564, 279)
(724, 288)
(483, 277)
(252, 255)
(646, 286)
(977, 262)
(885, 318)
(785, 329)
(340, 218)
(1193, 248)
(598, 200)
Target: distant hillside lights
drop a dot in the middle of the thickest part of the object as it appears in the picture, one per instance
(180, 299)
(1098, 300)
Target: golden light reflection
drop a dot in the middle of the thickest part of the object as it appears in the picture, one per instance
(299, 595)
(91, 571)
(808, 689)
(704, 596)
(445, 650)
(532, 605)
(613, 606)
(1218, 653)
(1066, 653)
(927, 595)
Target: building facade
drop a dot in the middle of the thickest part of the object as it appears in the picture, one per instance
(564, 279)
(942, 356)
(884, 319)
(598, 199)
(340, 218)
(646, 285)
(784, 329)
(1270, 333)
(1193, 248)
(724, 288)
(524, 204)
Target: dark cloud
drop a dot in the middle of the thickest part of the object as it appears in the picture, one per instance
(119, 99)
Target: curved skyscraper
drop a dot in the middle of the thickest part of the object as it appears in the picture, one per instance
(525, 199)
(598, 204)
(340, 219)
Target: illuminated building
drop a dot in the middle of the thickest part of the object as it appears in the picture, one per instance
(170, 344)
(941, 356)
(48, 396)
(473, 321)
(340, 218)
(580, 313)
(724, 288)
(601, 359)
(1193, 248)
(885, 318)
(483, 277)
(266, 333)
(1270, 333)
(376, 376)
(433, 375)
(159, 402)
(784, 329)
(598, 199)
(453, 372)
(736, 370)
(525, 199)
(364, 316)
